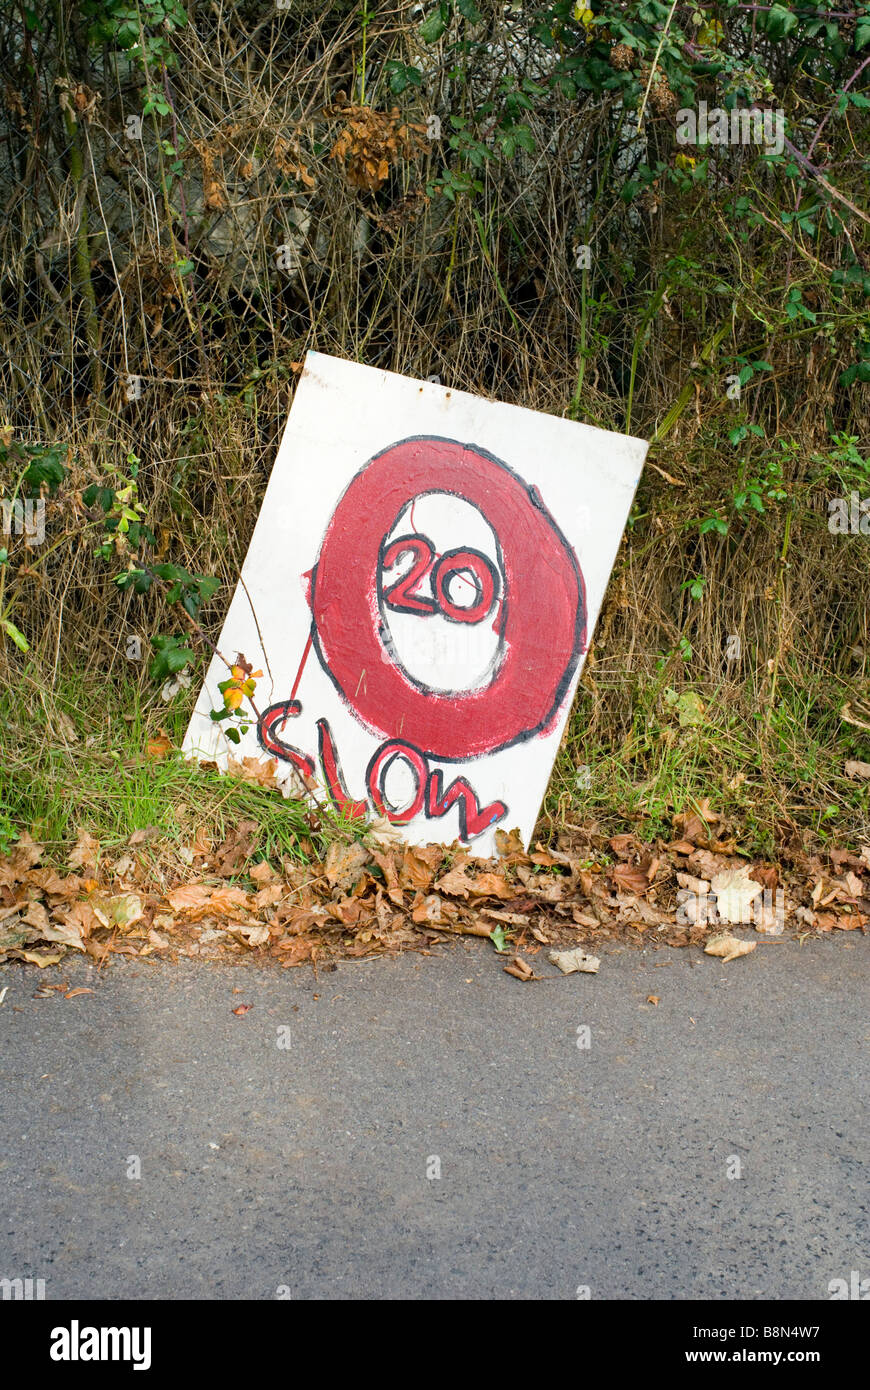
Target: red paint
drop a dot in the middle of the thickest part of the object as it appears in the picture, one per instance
(402, 594)
(376, 776)
(270, 721)
(541, 622)
(333, 775)
(485, 581)
(473, 818)
(301, 666)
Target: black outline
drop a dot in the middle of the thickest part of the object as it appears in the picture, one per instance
(536, 500)
(429, 606)
(402, 749)
(278, 748)
(461, 790)
(442, 596)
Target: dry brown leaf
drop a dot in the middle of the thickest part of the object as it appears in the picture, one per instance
(519, 968)
(257, 770)
(27, 851)
(857, 770)
(419, 866)
(346, 863)
(84, 853)
(728, 947)
(458, 884)
(263, 873)
(577, 959)
(629, 878)
(509, 843)
(387, 863)
(514, 919)
(196, 901)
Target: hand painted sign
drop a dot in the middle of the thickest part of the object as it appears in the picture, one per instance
(419, 592)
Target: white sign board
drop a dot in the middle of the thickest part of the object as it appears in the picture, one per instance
(419, 593)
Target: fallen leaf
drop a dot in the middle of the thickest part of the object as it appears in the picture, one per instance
(728, 947)
(419, 866)
(73, 992)
(26, 852)
(735, 893)
(40, 958)
(345, 864)
(629, 878)
(254, 935)
(84, 853)
(257, 770)
(231, 857)
(195, 901)
(263, 873)
(458, 884)
(570, 961)
(519, 968)
(652, 999)
(122, 910)
(382, 832)
(857, 770)
(682, 847)
(242, 1009)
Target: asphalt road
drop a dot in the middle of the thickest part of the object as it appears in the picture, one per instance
(311, 1168)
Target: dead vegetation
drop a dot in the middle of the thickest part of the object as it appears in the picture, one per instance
(160, 291)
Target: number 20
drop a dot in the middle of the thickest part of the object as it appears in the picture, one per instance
(403, 595)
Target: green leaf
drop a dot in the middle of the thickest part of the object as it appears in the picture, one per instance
(498, 939)
(469, 11)
(17, 636)
(780, 22)
(47, 468)
(434, 25)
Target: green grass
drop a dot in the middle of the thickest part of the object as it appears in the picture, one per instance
(760, 772)
(84, 765)
(76, 759)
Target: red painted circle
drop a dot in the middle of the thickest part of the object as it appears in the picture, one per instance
(541, 619)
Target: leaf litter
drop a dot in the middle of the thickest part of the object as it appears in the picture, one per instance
(371, 895)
